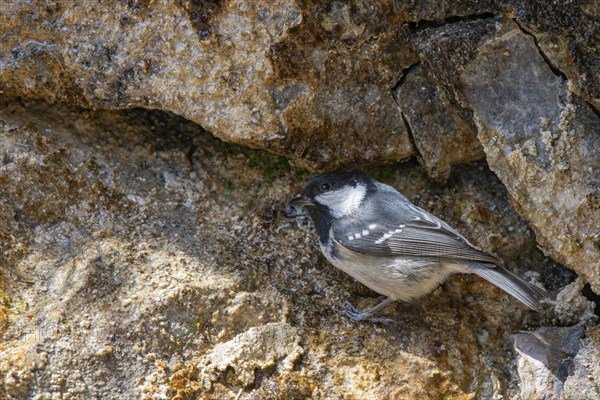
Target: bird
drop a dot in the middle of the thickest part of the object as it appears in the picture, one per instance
(375, 234)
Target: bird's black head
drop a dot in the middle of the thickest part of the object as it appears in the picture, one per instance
(333, 194)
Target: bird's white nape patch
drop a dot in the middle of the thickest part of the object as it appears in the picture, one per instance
(343, 201)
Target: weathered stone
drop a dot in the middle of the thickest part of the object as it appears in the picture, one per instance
(442, 134)
(311, 80)
(572, 307)
(569, 36)
(558, 363)
(543, 143)
(258, 348)
(582, 383)
(435, 11)
(298, 79)
(142, 258)
(446, 50)
(546, 359)
(152, 248)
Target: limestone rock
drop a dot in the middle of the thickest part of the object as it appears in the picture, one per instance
(18, 361)
(546, 359)
(311, 80)
(572, 307)
(582, 383)
(569, 36)
(296, 79)
(558, 363)
(438, 114)
(543, 143)
(143, 249)
(258, 348)
(443, 134)
(140, 257)
(447, 49)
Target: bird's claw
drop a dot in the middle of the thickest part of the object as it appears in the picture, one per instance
(356, 315)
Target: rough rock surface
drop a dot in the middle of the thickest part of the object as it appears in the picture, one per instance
(558, 363)
(569, 36)
(543, 142)
(545, 360)
(137, 249)
(309, 79)
(141, 257)
(584, 380)
(256, 349)
(445, 135)
(296, 80)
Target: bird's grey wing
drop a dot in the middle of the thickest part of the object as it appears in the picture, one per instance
(418, 235)
(406, 230)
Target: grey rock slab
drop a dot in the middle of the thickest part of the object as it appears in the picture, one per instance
(442, 134)
(543, 142)
(558, 363)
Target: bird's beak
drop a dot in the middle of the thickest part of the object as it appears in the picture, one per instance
(295, 207)
(300, 202)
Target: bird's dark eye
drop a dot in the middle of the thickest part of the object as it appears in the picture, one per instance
(325, 187)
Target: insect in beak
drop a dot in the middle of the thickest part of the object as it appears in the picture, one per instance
(294, 207)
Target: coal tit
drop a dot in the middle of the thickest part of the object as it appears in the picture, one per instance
(375, 234)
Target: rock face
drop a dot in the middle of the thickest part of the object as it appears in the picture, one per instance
(265, 74)
(445, 135)
(568, 35)
(143, 258)
(311, 80)
(554, 362)
(543, 143)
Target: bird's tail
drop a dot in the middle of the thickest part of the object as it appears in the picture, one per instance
(525, 292)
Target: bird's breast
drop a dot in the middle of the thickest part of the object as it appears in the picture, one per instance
(398, 278)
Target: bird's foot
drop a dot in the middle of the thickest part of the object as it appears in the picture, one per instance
(356, 315)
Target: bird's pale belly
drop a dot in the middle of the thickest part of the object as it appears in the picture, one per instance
(402, 279)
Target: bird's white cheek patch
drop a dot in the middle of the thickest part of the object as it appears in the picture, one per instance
(343, 201)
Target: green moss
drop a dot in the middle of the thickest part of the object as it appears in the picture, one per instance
(5, 300)
(270, 165)
(383, 173)
(229, 185)
(389, 173)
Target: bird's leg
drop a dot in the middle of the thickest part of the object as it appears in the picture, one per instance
(356, 315)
